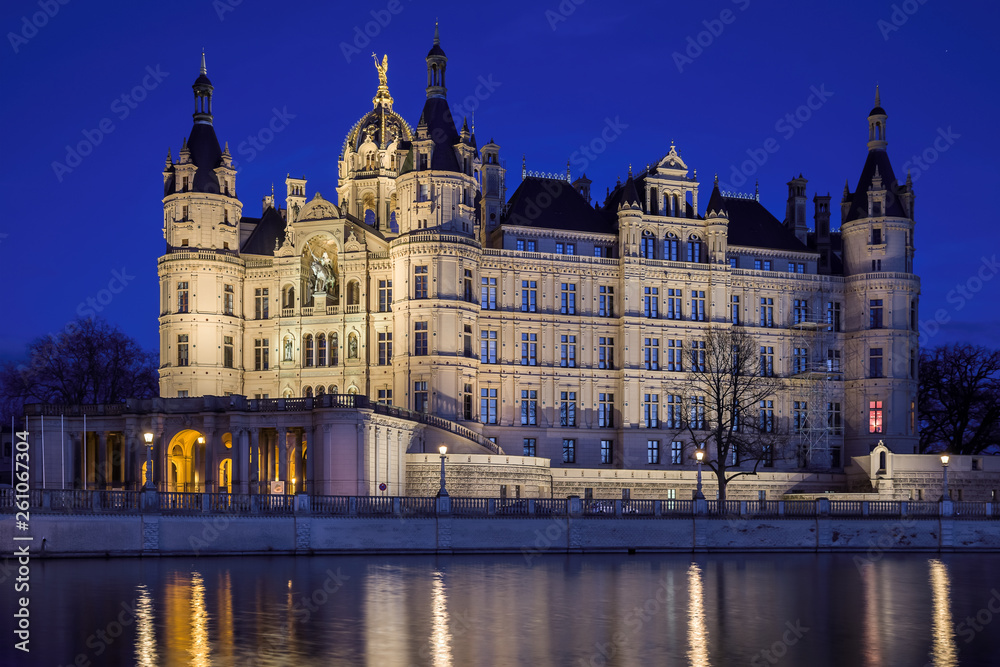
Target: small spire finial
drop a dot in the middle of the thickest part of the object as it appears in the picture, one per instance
(878, 102)
(203, 69)
(630, 170)
(437, 33)
(716, 179)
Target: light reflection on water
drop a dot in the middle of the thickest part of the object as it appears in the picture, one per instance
(496, 610)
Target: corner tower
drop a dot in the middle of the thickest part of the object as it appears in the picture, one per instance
(200, 273)
(881, 294)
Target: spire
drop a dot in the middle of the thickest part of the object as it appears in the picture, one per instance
(203, 96)
(878, 102)
(877, 125)
(437, 63)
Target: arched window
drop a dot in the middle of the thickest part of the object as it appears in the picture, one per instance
(288, 297)
(307, 392)
(308, 359)
(352, 346)
(393, 225)
(654, 202)
(695, 249)
(334, 350)
(675, 209)
(320, 390)
(647, 245)
(353, 293)
(333, 389)
(672, 247)
(370, 217)
(321, 350)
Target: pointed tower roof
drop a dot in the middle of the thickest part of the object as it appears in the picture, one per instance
(715, 202)
(203, 144)
(436, 49)
(630, 196)
(877, 110)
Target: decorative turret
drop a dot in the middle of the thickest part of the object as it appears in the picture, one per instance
(795, 209)
(203, 96)
(437, 63)
(821, 218)
(876, 126)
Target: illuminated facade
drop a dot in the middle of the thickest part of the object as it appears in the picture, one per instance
(560, 328)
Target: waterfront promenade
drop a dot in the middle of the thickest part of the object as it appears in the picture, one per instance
(148, 523)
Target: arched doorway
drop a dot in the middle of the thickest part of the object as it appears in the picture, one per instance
(183, 461)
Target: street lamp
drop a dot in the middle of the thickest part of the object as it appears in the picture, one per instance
(700, 454)
(444, 451)
(944, 465)
(148, 437)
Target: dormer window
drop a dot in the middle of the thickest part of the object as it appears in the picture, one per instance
(423, 161)
(877, 234)
(876, 209)
(184, 184)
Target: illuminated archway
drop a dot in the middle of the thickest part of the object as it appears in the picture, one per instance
(183, 477)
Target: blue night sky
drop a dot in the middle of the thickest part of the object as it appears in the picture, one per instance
(554, 82)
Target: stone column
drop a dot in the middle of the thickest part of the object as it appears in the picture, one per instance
(253, 475)
(212, 444)
(101, 470)
(283, 455)
(239, 480)
(294, 452)
(309, 433)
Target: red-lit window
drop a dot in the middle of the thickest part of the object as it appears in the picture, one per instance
(874, 416)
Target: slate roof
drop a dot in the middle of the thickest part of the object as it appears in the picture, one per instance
(206, 154)
(270, 228)
(859, 200)
(752, 225)
(440, 127)
(549, 203)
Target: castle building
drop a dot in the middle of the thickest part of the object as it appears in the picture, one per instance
(554, 325)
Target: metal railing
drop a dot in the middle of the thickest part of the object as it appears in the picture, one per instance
(76, 501)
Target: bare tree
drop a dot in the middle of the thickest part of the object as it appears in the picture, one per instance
(959, 399)
(89, 362)
(728, 388)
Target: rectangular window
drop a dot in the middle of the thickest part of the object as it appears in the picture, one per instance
(229, 300)
(520, 244)
(651, 410)
(800, 268)
(766, 423)
(529, 407)
(732, 262)
(567, 408)
(605, 410)
(567, 351)
(227, 351)
(875, 416)
(420, 282)
(529, 447)
(469, 297)
(560, 249)
(568, 302)
(467, 340)
(487, 346)
(675, 354)
(734, 310)
(182, 350)
(652, 452)
(674, 414)
(756, 264)
(607, 451)
(651, 353)
(766, 361)
(875, 314)
(698, 356)
(569, 451)
(672, 248)
(384, 348)
(420, 396)
(698, 305)
(913, 315)
(676, 452)
(647, 246)
(529, 349)
(833, 419)
(800, 311)
(800, 356)
(768, 452)
(877, 232)
(791, 267)
(694, 250)
(800, 413)
(261, 303)
(529, 296)
(570, 248)
(651, 302)
(384, 296)
(606, 302)
(767, 265)
(674, 299)
(833, 361)
(833, 316)
(420, 339)
(530, 246)
(605, 352)
(697, 412)
(913, 364)
(766, 312)
(467, 402)
(488, 293)
(875, 362)
(488, 406)
(385, 396)
(261, 354)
